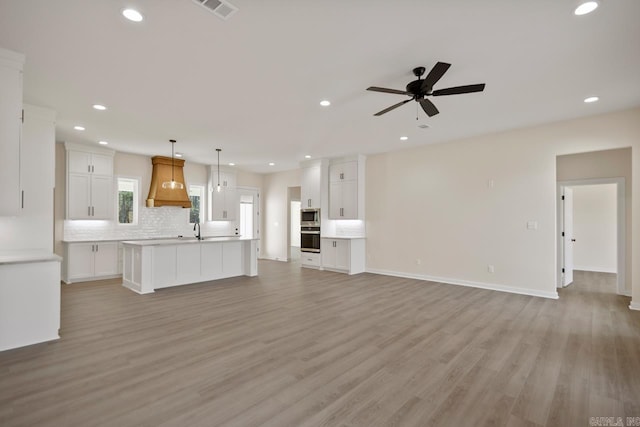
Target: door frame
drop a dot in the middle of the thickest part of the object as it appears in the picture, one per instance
(621, 238)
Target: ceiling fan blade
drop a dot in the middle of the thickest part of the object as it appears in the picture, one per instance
(386, 110)
(428, 107)
(459, 90)
(385, 90)
(435, 74)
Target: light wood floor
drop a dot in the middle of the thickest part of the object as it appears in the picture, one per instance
(299, 347)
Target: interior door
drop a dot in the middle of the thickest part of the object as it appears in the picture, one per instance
(567, 236)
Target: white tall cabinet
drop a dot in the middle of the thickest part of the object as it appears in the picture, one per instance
(346, 188)
(29, 271)
(11, 64)
(90, 192)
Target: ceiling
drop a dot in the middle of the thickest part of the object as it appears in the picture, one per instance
(251, 85)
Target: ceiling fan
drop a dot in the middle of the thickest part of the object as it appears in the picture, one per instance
(419, 89)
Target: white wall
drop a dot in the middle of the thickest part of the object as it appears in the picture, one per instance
(295, 223)
(595, 227)
(432, 212)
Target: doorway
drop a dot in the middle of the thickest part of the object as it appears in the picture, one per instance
(293, 223)
(591, 229)
(249, 225)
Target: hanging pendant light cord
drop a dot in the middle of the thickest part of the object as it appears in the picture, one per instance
(218, 150)
(173, 144)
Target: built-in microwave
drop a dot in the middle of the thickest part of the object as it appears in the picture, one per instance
(310, 217)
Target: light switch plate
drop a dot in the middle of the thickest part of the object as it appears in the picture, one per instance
(532, 225)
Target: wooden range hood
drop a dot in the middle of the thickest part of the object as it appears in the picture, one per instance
(158, 196)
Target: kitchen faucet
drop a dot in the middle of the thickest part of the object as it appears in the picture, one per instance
(198, 236)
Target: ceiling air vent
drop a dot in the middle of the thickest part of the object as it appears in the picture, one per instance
(222, 9)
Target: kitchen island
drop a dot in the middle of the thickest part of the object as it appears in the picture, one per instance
(154, 264)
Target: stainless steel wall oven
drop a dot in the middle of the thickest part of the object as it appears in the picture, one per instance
(310, 239)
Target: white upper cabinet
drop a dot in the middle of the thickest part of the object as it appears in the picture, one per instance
(37, 166)
(346, 188)
(223, 204)
(311, 184)
(89, 163)
(90, 192)
(344, 171)
(11, 64)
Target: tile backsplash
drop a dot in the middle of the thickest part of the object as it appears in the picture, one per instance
(152, 222)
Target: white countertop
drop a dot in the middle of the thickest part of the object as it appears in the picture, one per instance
(129, 239)
(27, 255)
(185, 241)
(343, 237)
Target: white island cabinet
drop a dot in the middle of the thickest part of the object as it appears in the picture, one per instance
(156, 264)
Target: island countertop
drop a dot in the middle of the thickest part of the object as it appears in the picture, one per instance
(185, 241)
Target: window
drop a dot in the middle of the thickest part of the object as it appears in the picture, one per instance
(127, 201)
(196, 194)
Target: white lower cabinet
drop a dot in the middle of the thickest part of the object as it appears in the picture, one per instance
(90, 261)
(345, 255)
(310, 259)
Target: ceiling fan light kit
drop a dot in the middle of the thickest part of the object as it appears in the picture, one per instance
(420, 89)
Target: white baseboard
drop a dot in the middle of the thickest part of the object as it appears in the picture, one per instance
(634, 306)
(273, 258)
(596, 269)
(459, 282)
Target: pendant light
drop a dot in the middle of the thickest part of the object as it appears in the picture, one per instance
(218, 188)
(172, 185)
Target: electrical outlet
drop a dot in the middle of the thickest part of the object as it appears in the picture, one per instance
(490, 268)
(418, 261)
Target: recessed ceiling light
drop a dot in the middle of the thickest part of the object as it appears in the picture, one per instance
(132, 15)
(325, 103)
(307, 156)
(99, 107)
(78, 127)
(271, 164)
(404, 138)
(103, 143)
(178, 154)
(591, 99)
(586, 7)
(232, 164)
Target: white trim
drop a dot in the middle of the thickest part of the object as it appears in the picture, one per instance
(88, 148)
(634, 306)
(595, 269)
(468, 283)
(269, 258)
(621, 238)
(137, 200)
(203, 202)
